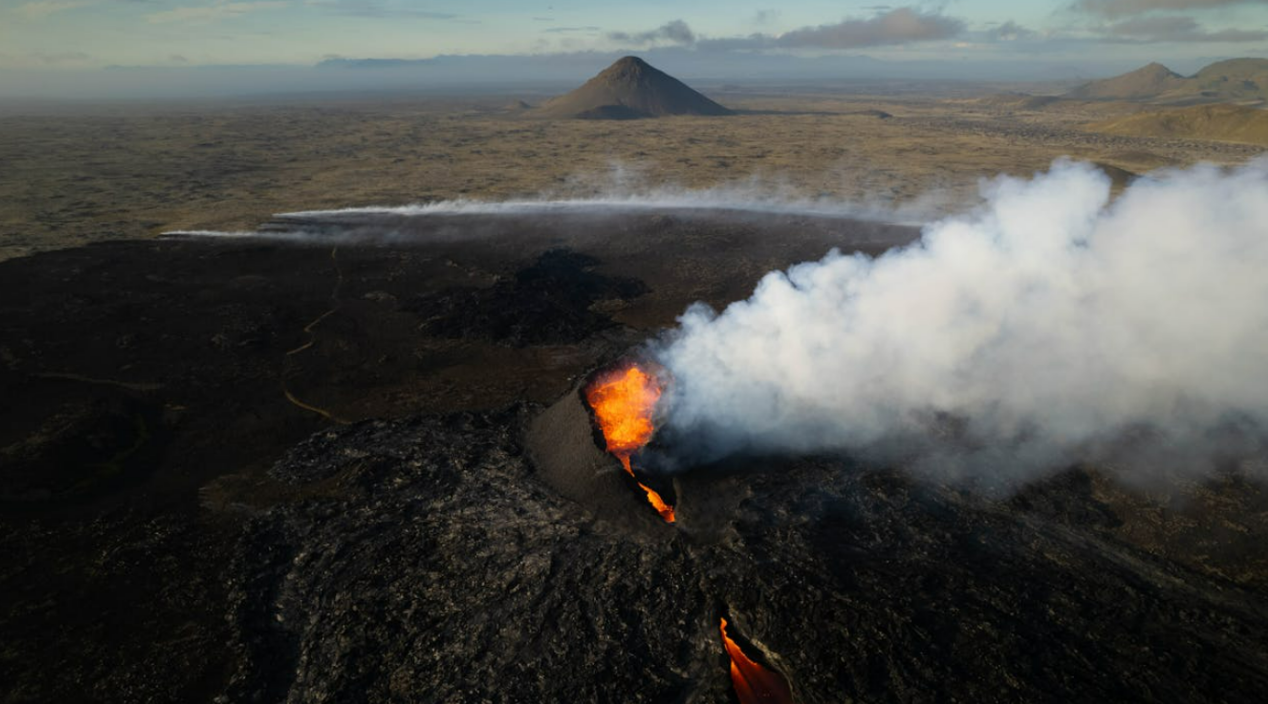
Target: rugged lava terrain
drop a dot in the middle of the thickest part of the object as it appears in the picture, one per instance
(434, 566)
(333, 470)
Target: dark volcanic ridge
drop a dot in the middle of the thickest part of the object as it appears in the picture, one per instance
(631, 89)
(551, 302)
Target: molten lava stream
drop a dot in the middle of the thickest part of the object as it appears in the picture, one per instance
(665, 510)
(623, 404)
(753, 683)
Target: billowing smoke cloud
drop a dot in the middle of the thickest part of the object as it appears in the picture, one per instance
(1050, 326)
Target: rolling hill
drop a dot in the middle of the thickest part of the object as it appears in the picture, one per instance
(1241, 81)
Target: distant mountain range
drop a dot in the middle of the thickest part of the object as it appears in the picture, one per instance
(1238, 81)
(570, 66)
(732, 67)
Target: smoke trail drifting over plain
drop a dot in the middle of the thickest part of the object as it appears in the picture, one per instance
(619, 191)
(1046, 327)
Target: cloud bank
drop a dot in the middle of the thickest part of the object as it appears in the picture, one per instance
(1177, 29)
(898, 26)
(676, 32)
(1113, 9)
(888, 27)
(213, 12)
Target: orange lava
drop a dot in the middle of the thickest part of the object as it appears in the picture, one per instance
(623, 404)
(665, 510)
(753, 683)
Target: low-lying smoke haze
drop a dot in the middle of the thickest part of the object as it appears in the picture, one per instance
(1052, 325)
(620, 190)
(754, 196)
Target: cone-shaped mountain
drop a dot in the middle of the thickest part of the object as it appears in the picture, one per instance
(631, 88)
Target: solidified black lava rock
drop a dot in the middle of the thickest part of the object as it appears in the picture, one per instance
(437, 559)
(546, 303)
(426, 560)
(83, 449)
(429, 565)
(117, 535)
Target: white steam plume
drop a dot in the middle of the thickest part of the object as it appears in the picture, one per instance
(1047, 327)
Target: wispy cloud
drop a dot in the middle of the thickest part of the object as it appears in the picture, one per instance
(39, 9)
(765, 17)
(62, 58)
(212, 13)
(1176, 29)
(1113, 9)
(566, 30)
(379, 8)
(1010, 31)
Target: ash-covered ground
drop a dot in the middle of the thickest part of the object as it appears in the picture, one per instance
(331, 468)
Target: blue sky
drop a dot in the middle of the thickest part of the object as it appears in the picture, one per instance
(80, 34)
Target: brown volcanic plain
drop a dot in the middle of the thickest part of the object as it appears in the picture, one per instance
(81, 173)
(1229, 123)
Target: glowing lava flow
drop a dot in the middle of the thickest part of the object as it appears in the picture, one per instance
(623, 404)
(753, 683)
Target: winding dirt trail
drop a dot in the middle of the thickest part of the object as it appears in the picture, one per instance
(310, 331)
